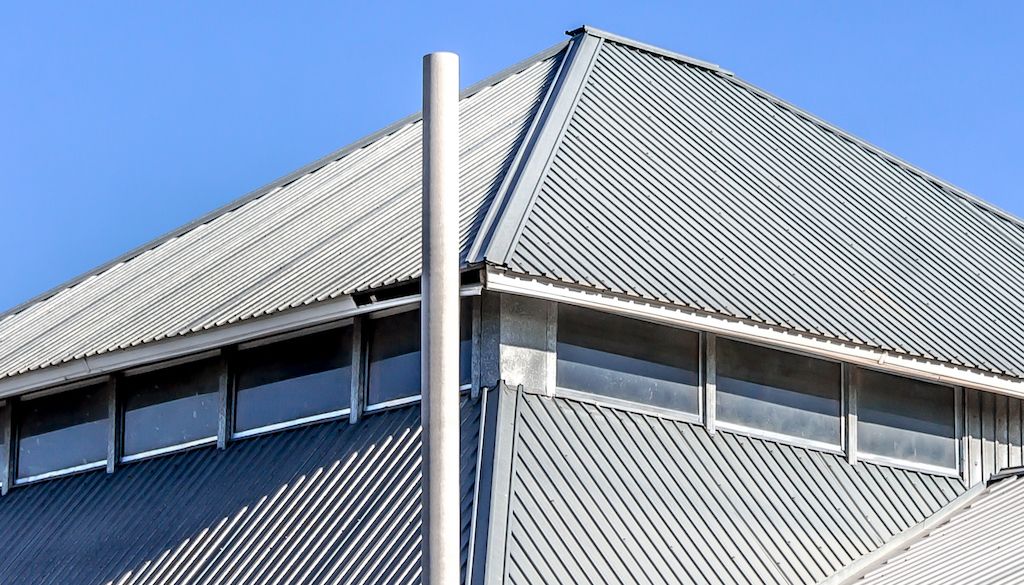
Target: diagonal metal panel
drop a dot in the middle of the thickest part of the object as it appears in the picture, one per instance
(344, 226)
(981, 543)
(331, 503)
(601, 495)
(682, 184)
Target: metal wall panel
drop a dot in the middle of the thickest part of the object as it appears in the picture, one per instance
(683, 184)
(982, 543)
(600, 495)
(994, 434)
(331, 503)
(348, 225)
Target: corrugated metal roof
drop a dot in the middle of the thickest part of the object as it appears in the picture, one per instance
(332, 503)
(601, 495)
(679, 183)
(982, 543)
(349, 223)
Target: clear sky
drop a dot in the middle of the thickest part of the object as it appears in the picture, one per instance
(121, 121)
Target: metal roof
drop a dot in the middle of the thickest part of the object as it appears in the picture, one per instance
(608, 164)
(347, 223)
(602, 495)
(331, 503)
(982, 543)
(671, 180)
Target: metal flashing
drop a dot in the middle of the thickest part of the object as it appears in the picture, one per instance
(497, 237)
(867, 563)
(885, 361)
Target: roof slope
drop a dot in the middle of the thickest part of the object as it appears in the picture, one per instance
(674, 181)
(348, 223)
(982, 543)
(601, 495)
(331, 503)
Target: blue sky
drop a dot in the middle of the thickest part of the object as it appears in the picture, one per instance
(121, 121)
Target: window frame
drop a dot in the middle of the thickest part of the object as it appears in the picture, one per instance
(15, 408)
(836, 449)
(370, 408)
(121, 390)
(355, 355)
(959, 435)
(622, 403)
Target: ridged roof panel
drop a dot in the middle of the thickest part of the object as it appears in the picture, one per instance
(347, 225)
(332, 503)
(982, 543)
(679, 183)
(601, 495)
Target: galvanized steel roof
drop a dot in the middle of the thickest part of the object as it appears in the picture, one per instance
(331, 503)
(601, 495)
(345, 224)
(633, 170)
(674, 181)
(982, 543)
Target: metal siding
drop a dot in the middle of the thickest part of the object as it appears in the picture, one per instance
(994, 426)
(684, 185)
(329, 503)
(982, 543)
(601, 495)
(349, 225)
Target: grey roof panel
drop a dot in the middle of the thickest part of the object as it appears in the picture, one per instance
(346, 224)
(601, 495)
(682, 184)
(983, 542)
(331, 503)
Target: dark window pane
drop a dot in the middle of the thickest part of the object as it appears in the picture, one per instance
(779, 392)
(627, 359)
(394, 357)
(294, 379)
(466, 342)
(62, 430)
(171, 406)
(906, 419)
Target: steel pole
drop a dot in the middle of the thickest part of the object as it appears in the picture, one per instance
(440, 319)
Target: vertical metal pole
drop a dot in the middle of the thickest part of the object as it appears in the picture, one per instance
(115, 430)
(440, 319)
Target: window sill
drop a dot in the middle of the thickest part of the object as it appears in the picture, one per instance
(61, 472)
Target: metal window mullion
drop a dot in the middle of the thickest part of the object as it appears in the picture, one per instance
(474, 344)
(551, 351)
(9, 457)
(709, 379)
(357, 385)
(959, 431)
(226, 397)
(850, 406)
(115, 423)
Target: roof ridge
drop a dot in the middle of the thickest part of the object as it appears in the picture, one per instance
(503, 223)
(594, 31)
(902, 541)
(278, 183)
